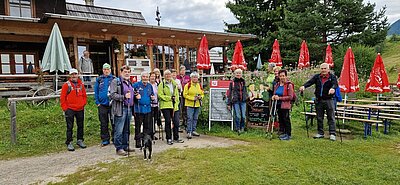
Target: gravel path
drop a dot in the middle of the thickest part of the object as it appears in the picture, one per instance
(50, 167)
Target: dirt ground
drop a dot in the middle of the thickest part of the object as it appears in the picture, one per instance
(49, 168)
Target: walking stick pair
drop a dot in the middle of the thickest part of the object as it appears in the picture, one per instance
(271, 119)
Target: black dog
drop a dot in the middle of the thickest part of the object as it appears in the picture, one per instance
(147, 144)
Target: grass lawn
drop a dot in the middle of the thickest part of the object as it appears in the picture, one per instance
(41, 129)
(299, 161)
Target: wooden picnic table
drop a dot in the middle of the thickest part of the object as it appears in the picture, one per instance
(367, 124)
(377, 102)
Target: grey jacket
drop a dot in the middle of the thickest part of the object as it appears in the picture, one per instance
(116, 97)
(85, 65)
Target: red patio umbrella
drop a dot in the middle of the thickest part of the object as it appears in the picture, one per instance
(203, 57)
(398, 81)
(349, 78)
(378, 81)
(328, 56)
(304, 58)
(276, 54)
(238, 57)
(348, 81)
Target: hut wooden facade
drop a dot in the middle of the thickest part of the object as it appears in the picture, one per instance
(26, 26)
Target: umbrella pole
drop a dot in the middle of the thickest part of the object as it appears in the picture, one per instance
(344, 108)
(56, 80)
(377, 97)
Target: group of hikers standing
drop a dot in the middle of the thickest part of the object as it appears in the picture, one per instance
(180, 97)
(282, 90)
(118, 100)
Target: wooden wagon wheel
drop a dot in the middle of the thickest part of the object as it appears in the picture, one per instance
(42, 92)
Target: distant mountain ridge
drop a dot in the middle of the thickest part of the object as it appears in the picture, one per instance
(394, 28)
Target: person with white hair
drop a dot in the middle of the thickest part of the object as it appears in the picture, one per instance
(168, 97)
(143, 96)
(193, 94)
(325, 85)
(236, 99)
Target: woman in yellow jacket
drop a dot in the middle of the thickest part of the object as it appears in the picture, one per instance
(193, 94)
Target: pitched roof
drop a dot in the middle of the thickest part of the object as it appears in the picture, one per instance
(103, 13)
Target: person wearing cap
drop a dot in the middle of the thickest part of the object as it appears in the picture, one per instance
(102, 101)
(73, 100)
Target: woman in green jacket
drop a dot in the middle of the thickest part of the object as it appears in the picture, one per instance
(168, 97)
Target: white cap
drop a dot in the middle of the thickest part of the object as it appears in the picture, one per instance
(72, 70)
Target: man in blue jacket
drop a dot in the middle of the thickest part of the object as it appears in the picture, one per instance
(325, 87)
(103, 104)
(143, 96)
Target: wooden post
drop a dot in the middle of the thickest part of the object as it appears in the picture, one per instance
(13, 124)
(76, 54)
(176, 58)
(163, 59)
(150, 56)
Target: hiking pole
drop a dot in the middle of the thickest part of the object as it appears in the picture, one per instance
(337, 122)
(129, 124)
(305, 115)
(273, 119)
(269, 118)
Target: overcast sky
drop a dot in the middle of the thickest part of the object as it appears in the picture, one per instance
(203, 14)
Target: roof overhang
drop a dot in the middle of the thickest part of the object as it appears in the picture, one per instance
(98, 29)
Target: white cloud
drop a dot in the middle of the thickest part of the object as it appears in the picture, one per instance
(203, 14)
(193, 14)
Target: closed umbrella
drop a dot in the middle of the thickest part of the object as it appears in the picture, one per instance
(398, 81)
(276, 54)
(212, 70)
(378, 81)
(238, 57)
(203, 56)
(304, 58)
(55, 57)
(328, 56)
(259, 63)
(349, 78)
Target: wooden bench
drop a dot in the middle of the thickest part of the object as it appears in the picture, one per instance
(367, 122)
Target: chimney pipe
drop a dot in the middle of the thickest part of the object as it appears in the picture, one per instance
(89, 2)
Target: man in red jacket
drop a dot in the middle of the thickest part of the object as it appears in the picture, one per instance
(73, 101)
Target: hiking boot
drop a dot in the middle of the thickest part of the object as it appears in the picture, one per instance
(121, 152)
(194, 133)
(318, 136)
(180, 130)
(169, 142)
(105, 143)
(70, 147)
(242, 130)
(155, 138)
(286, 138)
(332, 137)
(129, 150)
(179, 141)
(283, 136)
(189, 136)
(81, 144)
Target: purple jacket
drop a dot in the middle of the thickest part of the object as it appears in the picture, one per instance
(184, 79)
(287, 94)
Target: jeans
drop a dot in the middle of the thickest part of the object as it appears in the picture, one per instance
(239, 110)
(122, 130)
(321, 106)
(105, 117)
(192, 115)
(69, 117)
(285, 125)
